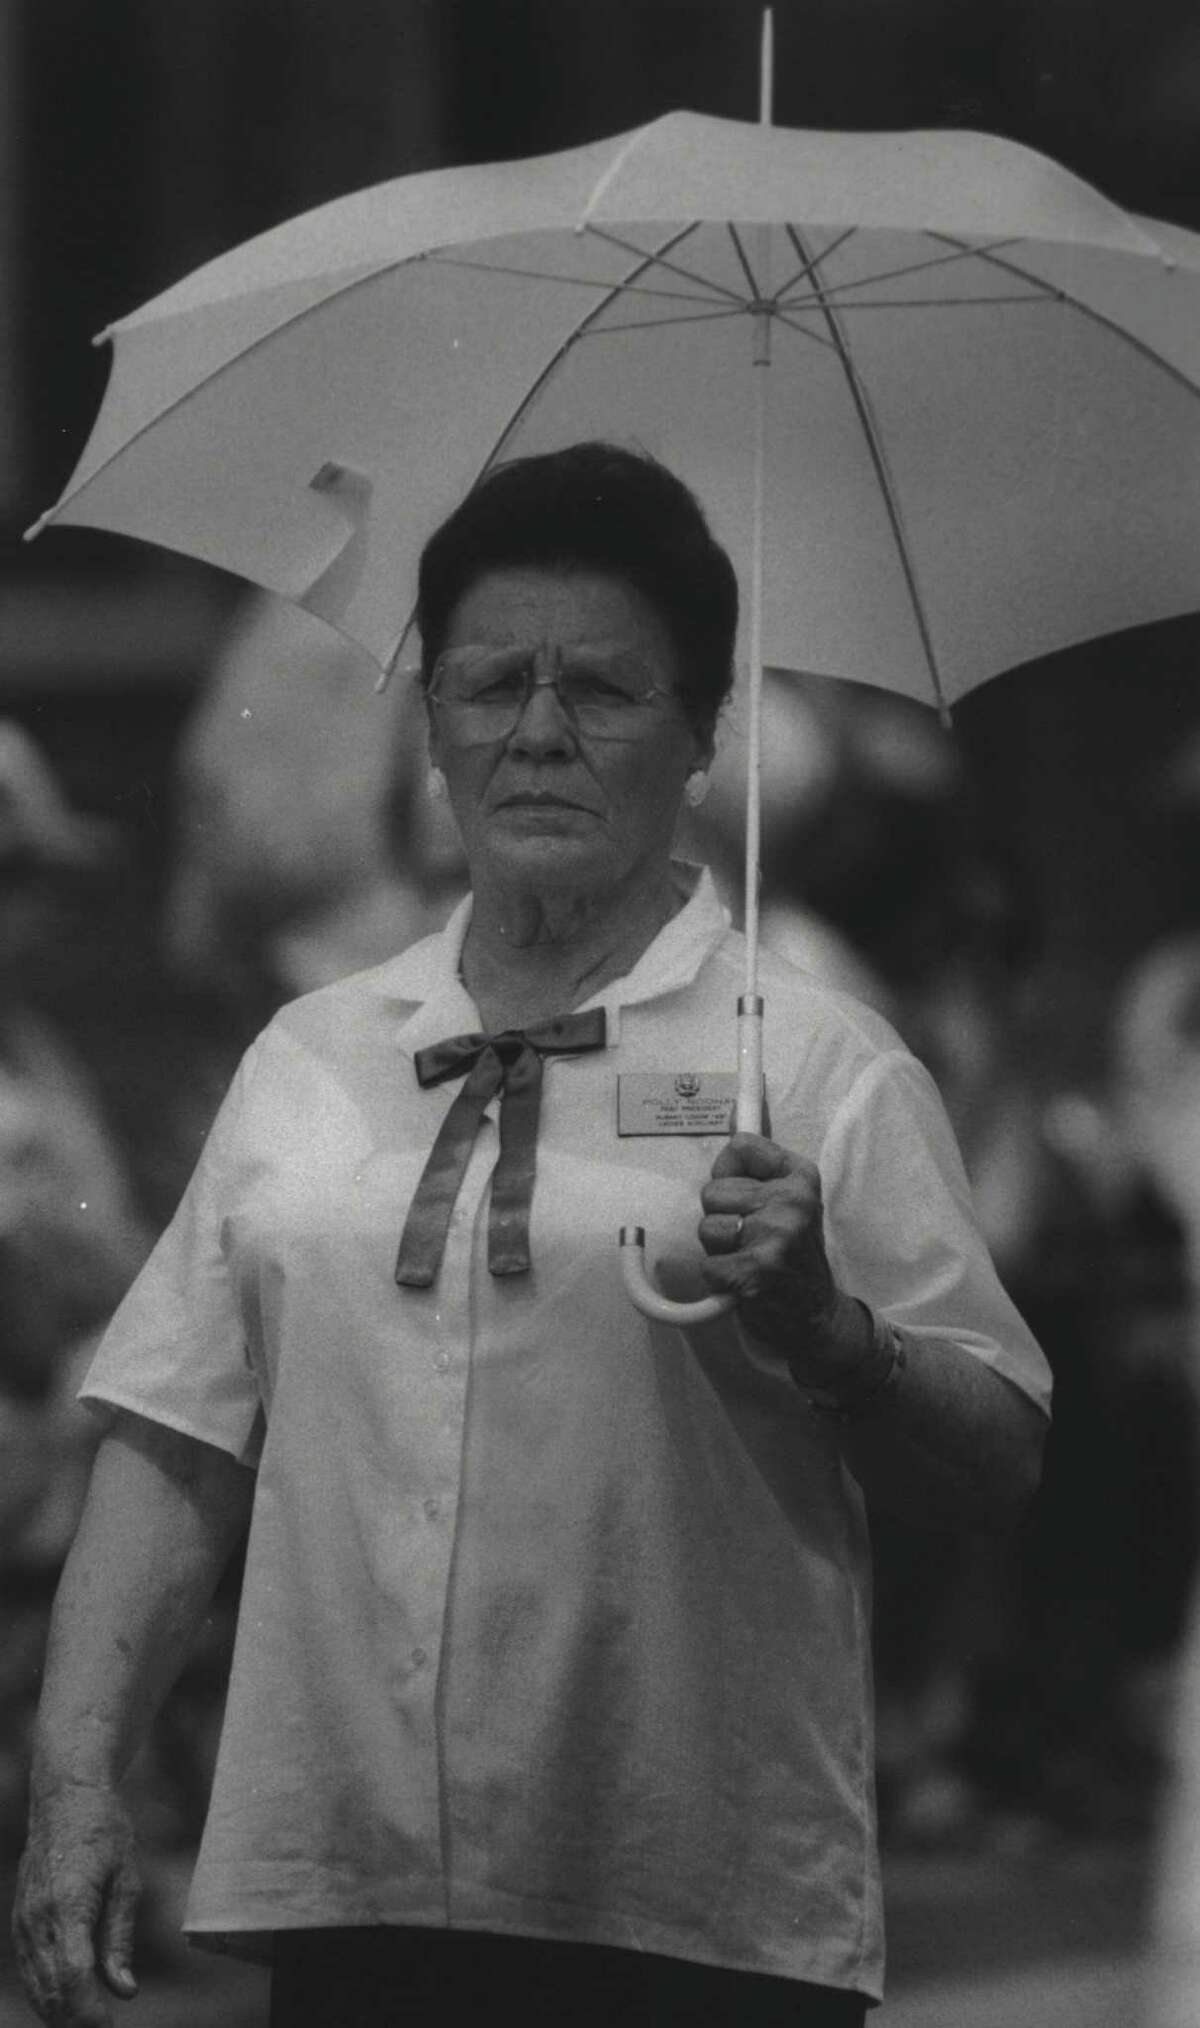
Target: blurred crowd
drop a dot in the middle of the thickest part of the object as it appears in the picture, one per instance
(1026, 1690)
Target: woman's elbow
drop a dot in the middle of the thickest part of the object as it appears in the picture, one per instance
(1017, 1463)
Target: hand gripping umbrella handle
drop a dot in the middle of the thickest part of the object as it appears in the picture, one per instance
(747, 1120)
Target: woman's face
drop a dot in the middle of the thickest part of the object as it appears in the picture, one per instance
(550, 805)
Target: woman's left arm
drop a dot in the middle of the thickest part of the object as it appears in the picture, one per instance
(953, 1440)
(930, 1429)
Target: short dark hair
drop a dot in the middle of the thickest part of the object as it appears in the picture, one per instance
(600, 507)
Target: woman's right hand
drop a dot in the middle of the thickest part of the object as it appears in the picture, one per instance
(77, 1894)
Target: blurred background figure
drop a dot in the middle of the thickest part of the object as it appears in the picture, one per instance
(1157, 1050)
(71, 1236)
(306, 845)
(1157, 1027)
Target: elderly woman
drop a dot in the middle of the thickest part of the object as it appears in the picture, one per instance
(552, 1681)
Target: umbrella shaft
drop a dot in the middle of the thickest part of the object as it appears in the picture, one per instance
(754, 695)
(748, 1117)
(762, 338)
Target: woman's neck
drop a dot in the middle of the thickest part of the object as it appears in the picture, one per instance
(530, 954)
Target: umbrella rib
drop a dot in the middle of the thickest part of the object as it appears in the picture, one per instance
(443, 260)
(671, 267)
(799, 305)
(802, 330)
(1059, 295)
(827, 253)
(961, 253)
(662, 323)
(887, 486)
(744, 259)
(538, 383)
(581, 330)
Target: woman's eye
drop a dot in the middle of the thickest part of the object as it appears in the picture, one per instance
(594, 686)
(499, 689)
(594, 689)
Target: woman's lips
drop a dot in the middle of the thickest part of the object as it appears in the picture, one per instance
(536, 802)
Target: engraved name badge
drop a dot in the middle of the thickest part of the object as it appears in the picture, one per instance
(676, 1101)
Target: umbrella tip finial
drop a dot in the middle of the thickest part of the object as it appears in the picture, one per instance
(35, 527)
(766, 69)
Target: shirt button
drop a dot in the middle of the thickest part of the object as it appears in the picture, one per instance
(419, 1658)
(431, 1510)
(442, 1362)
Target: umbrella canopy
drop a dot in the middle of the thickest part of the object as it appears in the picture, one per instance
(938, 396)
(983, 436)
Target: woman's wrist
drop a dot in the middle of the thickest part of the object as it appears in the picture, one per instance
(861, 1384)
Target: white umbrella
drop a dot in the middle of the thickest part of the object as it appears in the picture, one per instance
(938, 395)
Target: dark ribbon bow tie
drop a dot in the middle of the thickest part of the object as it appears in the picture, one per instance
(511, 1064)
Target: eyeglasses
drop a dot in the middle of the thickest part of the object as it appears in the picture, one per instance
(480, 693)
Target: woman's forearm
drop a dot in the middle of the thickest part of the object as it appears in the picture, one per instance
(946, 1438)
(951, 1440)
(162, 1517)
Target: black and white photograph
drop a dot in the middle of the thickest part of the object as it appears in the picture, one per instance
(600, 1013)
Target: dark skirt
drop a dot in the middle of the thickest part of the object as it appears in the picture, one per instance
(385, 1977)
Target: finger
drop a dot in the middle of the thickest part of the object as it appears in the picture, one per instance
(79, 2003)
(752, 1155)
(33, 1947)
(56, 1958)
(737, 1274)
(723, 1233)
(732, 1194)
(115, 1938)
(796, 1196)
(71, 1996)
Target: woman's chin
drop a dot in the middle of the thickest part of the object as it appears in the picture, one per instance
(553, 844)
(556, 856)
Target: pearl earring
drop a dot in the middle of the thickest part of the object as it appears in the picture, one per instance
(695, 788)
(435, 784)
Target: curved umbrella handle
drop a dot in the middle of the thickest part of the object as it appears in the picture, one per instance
(645, 1297)
(748, 1120)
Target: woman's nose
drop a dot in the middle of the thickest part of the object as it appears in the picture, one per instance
(544, 726)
